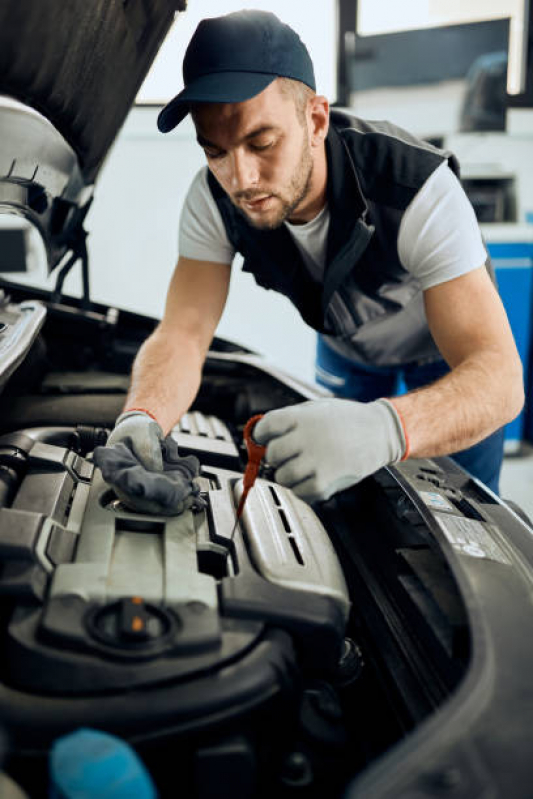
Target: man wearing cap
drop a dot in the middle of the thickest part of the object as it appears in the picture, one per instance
(367, 231)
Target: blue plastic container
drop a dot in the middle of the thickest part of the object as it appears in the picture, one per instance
(89, 764)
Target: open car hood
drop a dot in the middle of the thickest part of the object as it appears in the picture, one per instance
(69, 73)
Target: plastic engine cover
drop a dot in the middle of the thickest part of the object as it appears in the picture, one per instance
(106, 601)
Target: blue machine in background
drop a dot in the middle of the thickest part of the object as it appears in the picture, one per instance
(513, 262)
(498, 183)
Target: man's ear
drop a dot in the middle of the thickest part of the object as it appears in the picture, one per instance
(318, 111)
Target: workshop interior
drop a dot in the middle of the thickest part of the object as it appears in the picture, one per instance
(375, 646)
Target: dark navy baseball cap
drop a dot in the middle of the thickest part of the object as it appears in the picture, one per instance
(232, 58)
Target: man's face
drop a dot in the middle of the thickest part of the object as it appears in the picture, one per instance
(259, 152)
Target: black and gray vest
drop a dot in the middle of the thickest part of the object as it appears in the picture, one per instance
(367, 301)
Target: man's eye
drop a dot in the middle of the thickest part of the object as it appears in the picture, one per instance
(213, 154)
(259, 147)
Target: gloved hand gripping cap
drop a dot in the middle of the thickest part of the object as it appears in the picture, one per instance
(165, 493)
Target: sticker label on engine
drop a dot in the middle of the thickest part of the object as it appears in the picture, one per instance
(436, 501)
(470, 537)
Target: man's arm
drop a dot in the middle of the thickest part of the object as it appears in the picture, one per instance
(484, 389)
(167, 370)
(324, 446)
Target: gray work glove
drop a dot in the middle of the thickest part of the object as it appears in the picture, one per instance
(165, 493)
(143, 435)
(324, 446)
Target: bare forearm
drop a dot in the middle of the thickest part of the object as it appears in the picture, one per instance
(475, 399)
(166, 376)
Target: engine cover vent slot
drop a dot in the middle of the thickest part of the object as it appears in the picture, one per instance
(297, 553)
(274, 495)
(288, 529)
(198, 424)
(208, 438)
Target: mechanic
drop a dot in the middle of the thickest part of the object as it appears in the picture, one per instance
(368, 232)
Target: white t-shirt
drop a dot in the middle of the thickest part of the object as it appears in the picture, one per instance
(439, 238)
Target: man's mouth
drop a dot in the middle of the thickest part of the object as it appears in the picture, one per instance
(257, 203)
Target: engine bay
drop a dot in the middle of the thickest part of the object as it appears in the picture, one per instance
(294, 652)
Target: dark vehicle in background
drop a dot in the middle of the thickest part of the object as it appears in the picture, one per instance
(377, 645)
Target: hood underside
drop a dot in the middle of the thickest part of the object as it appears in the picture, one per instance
(69, 73)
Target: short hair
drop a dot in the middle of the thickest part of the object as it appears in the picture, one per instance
(300, 93)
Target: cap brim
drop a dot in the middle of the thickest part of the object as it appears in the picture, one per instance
(218, 87)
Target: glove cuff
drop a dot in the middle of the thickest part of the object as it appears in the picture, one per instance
(140, 410)
(136, 412)
(402, 430)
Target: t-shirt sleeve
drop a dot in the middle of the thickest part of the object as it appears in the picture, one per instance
(439, 237)
(202, 235)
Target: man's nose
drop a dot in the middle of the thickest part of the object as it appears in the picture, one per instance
(244, 172)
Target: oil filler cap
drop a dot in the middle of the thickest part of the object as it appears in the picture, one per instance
(131, 623)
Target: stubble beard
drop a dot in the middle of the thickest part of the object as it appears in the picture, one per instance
(296, 192)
